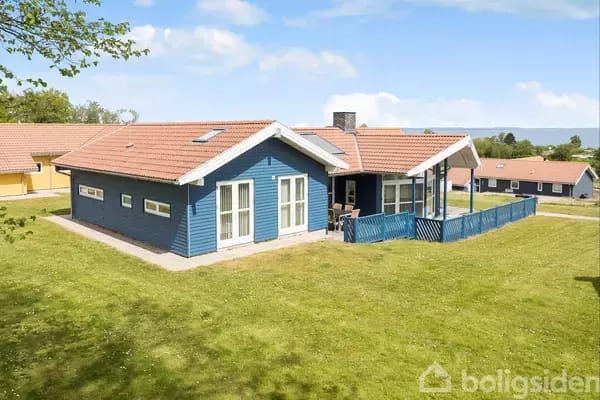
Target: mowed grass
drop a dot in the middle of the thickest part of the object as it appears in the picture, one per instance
(484, 201)
(321, 321)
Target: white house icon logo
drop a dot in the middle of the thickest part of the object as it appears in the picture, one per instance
(441, 376)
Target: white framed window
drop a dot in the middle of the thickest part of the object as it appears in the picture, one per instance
(514, 185)
(235, 213)
(157, 208)
(126, 200)
(397, 195)
(91, 192)
(293, 204)
(540, 187)
(492, 182)
(40, 168)
(557, 188)
(351, 192)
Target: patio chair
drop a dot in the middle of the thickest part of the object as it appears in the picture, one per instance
(348, 207)
(333, 215)
(337, 206)
(353, 214)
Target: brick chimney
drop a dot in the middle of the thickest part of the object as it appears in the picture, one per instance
(346, 121)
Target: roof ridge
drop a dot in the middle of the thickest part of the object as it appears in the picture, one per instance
(358, 152)
(98, 136)
(222, 122)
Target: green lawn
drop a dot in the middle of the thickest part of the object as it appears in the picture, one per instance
(483, 201)
(321, 321)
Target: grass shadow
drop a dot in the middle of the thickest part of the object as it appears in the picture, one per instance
(61, 211)
(594, 280)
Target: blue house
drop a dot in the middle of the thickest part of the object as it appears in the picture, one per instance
(195, 188)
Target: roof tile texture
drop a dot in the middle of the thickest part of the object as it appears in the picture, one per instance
(523, 169)
(159, 151)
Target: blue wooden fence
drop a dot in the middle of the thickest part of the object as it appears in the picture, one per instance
(474, 224)
(380, 227)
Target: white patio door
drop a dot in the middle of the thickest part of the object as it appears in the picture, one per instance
(293, 204)
(235, 213)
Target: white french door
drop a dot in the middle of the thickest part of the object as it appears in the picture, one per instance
(293, 204)
(235, 213)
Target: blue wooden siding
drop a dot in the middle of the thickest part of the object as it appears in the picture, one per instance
(525, 187)
(368, 192)
(263, 164)
(585, 185)
(165, 233)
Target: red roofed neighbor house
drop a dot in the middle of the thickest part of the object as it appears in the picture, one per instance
(530, 175)
(27, 150)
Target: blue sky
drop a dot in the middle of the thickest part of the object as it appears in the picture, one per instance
(412, 63)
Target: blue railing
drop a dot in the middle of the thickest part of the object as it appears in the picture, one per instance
(476, 223)
(380, 227)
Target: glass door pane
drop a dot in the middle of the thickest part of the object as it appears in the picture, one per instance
(226, 212)
(389, 199)
(300, 202)
(243, 209)
(285, 203)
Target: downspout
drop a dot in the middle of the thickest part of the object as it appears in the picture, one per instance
(187, 212)
(50, 172)
(425, 188)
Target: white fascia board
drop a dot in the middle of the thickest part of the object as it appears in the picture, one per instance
(465, 142)
(277, 130)
(588, 168)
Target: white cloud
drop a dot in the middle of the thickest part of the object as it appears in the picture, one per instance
(309, 63)
(204, 49)
(575, 105)
(532, 107)
(572, 9)
(144, 3)
(569, 9)
(386, 109)
(240, 12)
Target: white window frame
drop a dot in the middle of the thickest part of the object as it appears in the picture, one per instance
(293, 228)
(157, 212)
(41, 167)
(98, 194)
(554, 185)
(492, 182)
(405, 182)
(512, 187)
(349, 183)
(540, 186)
(235, 240)
(125, 205)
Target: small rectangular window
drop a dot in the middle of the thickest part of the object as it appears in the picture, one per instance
(351, 192)
(126, 200)
(157, 208)
(540, 187)
(514, 185)
(492, 182)
(40, 168)
(557, 188)
(91, 192)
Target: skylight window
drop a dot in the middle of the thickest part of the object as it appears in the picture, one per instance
(209, 135)
(500, 165)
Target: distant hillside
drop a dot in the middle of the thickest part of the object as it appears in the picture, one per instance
(538, 136)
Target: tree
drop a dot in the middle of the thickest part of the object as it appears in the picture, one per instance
(523, 148)
(93, 113)
(596, 161)
(64, 36)
(562, 152)
(510, 139)
(45, 106)
(575, 141)
(428, 132)
(364, 125)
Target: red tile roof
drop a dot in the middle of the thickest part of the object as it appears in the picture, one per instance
(19, 142)
(524, 170)
(383, 150)
(401, 153)
(161, 151)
